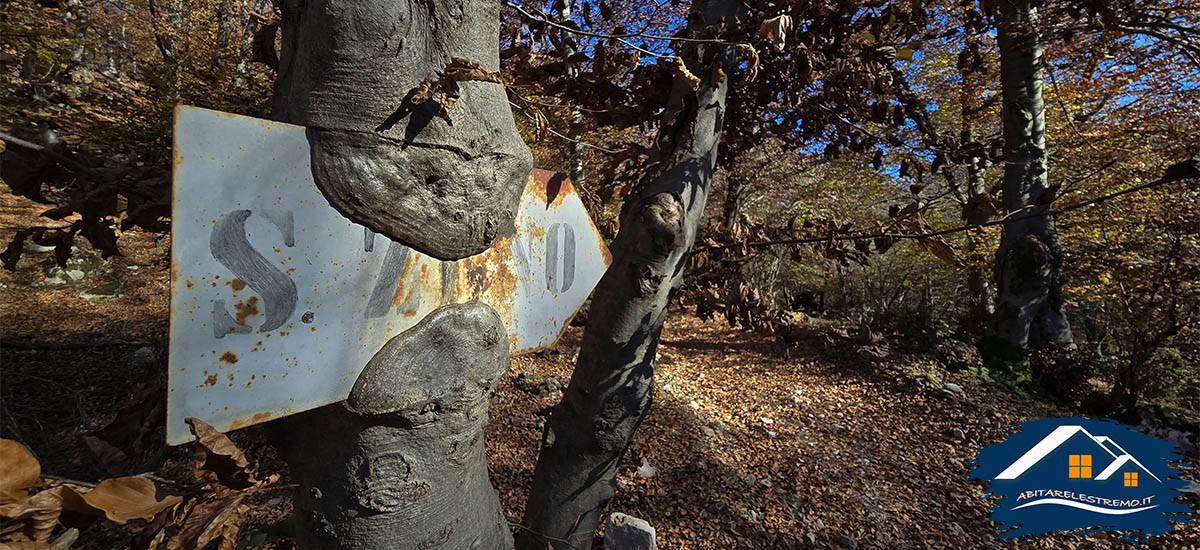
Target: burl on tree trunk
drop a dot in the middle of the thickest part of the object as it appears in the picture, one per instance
(610, 390)
(447, 186)
(401, 464)
(1029, 263)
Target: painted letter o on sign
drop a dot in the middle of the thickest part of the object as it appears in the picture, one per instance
(560, 272)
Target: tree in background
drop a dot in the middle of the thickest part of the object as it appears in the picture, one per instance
(1029, 312)
(589, 430)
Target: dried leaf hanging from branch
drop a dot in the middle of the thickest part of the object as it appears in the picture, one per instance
(460, 69)
(775, 31)
(682, 72)
(751, 61)
(938, 247)
(446, 86)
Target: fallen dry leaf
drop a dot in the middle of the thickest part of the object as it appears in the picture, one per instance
(209, 520)
(131, 433)
(221, 457)
(111, 458)
(37, 515)
(26, 545)
(124, 498)
(19, 471)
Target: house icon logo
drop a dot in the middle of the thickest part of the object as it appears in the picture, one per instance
(1080, 474)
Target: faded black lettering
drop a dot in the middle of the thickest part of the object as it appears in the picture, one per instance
(389, 278)
(524, 266)
(448, 269)
(223, 323)
(557, 281)
(286, 222)
(232, 249)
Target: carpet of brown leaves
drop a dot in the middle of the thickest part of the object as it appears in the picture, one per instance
(765, 445)
(756, 444)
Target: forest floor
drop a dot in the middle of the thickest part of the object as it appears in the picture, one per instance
(816, 443)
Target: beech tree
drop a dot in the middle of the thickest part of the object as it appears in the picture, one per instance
(411, 136)
(836, 62)
(1029, 311)
(609, 392)
(1030, 303)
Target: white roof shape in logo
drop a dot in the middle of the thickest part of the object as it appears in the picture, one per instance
(278, 300)
(1120, 462)
(1059, 436)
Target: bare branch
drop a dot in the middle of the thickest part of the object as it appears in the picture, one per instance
(1174, 173)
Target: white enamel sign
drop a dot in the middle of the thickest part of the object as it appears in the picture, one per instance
(278, 301)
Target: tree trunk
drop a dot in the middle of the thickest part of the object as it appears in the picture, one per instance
(732, 208)
(589, 430)
(979, 288)
(76, 15)
(1029, 277)
(567, 46)
(448, 185)
(401, 463)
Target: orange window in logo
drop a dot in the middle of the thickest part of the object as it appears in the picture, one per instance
(1131, 479)
(1080, 467)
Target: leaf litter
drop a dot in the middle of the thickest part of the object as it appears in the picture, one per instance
(755, 443)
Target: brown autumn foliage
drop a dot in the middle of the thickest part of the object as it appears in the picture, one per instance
(35, 508)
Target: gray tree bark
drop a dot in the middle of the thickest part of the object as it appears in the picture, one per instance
(401, 464)
(732, 208)
(567, 46)
(446, 186)
(1029, 263)
(609, 393)
(975, 212)
(76, 15)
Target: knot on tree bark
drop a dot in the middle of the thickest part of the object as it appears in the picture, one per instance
(405, 454)
(450, 361)
(443, 176)
(662, 222)
(439, 197)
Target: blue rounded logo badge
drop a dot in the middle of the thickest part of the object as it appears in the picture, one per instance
(1083, 475)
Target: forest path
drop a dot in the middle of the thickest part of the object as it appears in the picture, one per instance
(817, 443)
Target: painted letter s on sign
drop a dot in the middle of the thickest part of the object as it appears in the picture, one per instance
(232, 249)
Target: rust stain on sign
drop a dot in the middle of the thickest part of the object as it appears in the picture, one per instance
(248, 215)
(245, 309)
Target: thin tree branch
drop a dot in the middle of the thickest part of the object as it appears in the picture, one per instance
(1011, 217)
(572, 140)
(621, 37)
(75, 166)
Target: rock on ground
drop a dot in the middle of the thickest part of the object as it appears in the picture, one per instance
(623, 532)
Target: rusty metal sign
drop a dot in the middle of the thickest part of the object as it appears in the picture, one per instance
(278, 301)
